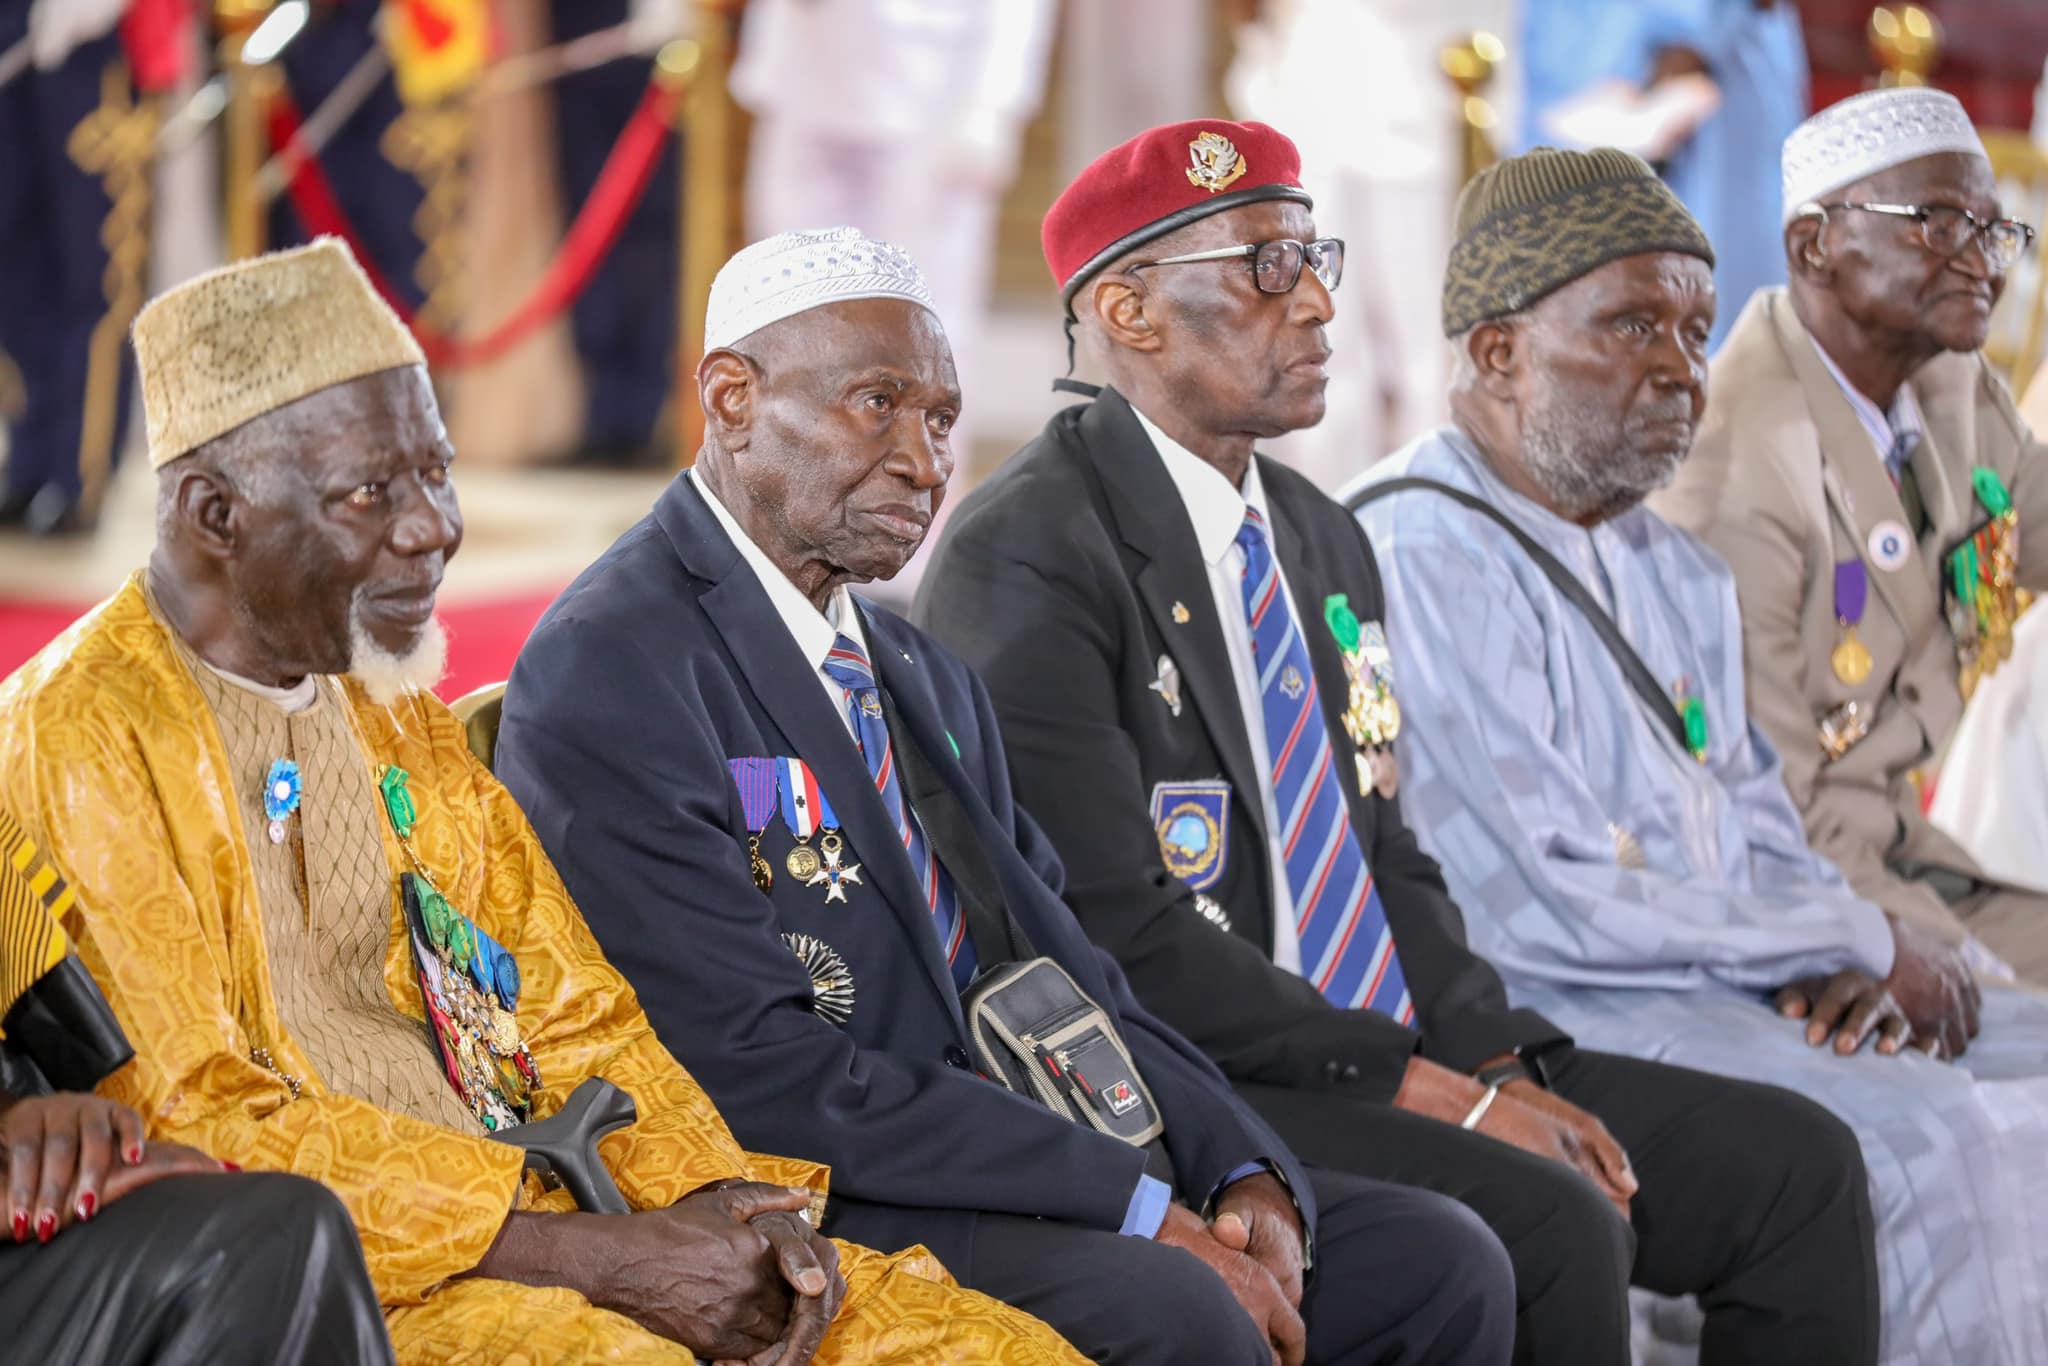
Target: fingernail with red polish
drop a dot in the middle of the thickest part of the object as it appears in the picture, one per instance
(135, 1154)
(46, 1226)
(230, 1166)
(20, 1226)
(87, 1203)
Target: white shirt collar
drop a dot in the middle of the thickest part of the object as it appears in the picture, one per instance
(1884, 428)
(1216, 509)
(814, 631)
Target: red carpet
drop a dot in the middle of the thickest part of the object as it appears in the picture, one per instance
(483, 636)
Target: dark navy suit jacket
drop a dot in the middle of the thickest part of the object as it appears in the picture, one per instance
(661, 662)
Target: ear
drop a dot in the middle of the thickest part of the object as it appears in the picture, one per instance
(1117, 299)
(1805, 254)
(1497, 351)
(207, 512)
(727, 385)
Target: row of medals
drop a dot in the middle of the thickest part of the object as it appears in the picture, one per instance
(1983, 624)
(1372, 718)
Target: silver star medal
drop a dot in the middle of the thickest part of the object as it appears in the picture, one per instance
(1167, 685)
(831, 875)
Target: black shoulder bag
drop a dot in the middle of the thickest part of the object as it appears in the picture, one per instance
(1034, 1030)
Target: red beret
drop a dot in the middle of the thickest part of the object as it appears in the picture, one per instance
(1159, 181)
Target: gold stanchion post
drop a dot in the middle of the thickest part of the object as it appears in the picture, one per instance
(250, 90)
(1470, 63)
(709, 126)
(1907, 42)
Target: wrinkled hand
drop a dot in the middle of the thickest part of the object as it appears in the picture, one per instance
(701, 1274)
(807, 1261)
(1250, 1283)
(1848, 1007)
(1936, 990)
(69, 1155)
(1536, 1121)
(1257, 1217)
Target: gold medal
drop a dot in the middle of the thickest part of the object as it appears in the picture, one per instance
(1366, 777)
(802, 861)
(764, 876)
(1851, 656)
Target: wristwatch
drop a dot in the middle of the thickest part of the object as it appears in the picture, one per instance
(1517, 1068)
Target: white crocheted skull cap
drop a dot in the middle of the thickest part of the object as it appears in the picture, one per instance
(1868, 133)
(794, 272)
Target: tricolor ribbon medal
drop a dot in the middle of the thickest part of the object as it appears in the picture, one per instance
(1851, 657)
(755, 779)
(806, 810)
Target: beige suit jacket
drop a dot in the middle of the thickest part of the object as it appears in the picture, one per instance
(1784, 482)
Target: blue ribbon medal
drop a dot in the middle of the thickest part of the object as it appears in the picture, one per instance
(757, 783)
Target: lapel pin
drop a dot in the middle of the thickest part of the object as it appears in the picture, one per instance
(1180, 613)
(1167, 685)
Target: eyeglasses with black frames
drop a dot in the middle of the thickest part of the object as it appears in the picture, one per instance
(1945, 229)
(1276, 265)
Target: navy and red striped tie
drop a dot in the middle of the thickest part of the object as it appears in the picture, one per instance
(1347, 948)
(847, 665)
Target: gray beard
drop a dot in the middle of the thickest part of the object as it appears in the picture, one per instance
(387, 677)
(1585, 464)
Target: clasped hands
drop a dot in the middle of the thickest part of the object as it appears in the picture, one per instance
(1930, 1002)
(732, 1272)
(1254, 1242)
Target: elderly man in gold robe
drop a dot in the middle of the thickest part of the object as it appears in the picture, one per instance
(1865, 474)
(331, 936)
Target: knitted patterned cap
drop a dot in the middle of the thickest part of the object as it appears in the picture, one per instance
(249, 338)
(1535, 223)
(794, 272)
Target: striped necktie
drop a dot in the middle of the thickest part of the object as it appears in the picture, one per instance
(1347, 949)
(847, 665)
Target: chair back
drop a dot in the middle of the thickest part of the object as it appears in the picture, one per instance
(479, 712)
(2019, 325)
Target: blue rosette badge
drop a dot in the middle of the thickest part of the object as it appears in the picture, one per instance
(281, 792)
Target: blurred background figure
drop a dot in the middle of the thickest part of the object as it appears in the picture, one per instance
(1356, 84)
(1704, 90)
(902, 118)
(77, 137)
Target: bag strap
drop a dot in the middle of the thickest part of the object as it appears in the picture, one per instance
(1632, 667)
(994, 931)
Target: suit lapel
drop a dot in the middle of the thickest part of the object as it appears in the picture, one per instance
(1150, 517)
(786, 685)
(1859, 490)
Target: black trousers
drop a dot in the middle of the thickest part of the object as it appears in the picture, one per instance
(1752, 1198)
(209, 1270)
(1401, 1276)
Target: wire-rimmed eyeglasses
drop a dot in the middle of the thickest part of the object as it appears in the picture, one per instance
(1276, 265)
(1945, 229)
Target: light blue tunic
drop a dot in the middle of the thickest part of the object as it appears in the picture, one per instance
(1524, 754)
(1727, 173)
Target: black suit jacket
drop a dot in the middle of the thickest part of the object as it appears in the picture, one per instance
(661, 662)
(1058, 581)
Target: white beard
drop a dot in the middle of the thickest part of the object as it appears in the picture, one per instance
(387, 677)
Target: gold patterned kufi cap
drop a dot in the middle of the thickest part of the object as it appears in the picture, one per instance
(249, 338)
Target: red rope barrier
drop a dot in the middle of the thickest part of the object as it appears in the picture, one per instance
(627, 170)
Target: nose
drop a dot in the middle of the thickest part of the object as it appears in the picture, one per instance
(430, 522)
(1677, 365)
(921, 455)
(1311, 300)
(1974, 260)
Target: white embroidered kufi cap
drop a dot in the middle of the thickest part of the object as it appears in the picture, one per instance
(794, 272)
(1868, 133)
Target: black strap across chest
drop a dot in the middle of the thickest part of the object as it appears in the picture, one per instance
(1632, 667)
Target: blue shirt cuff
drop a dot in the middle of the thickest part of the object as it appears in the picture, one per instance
(1149, 1203)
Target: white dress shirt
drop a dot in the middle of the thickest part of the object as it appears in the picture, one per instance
(813, 630)
(1884, 428)
(1217, 510)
